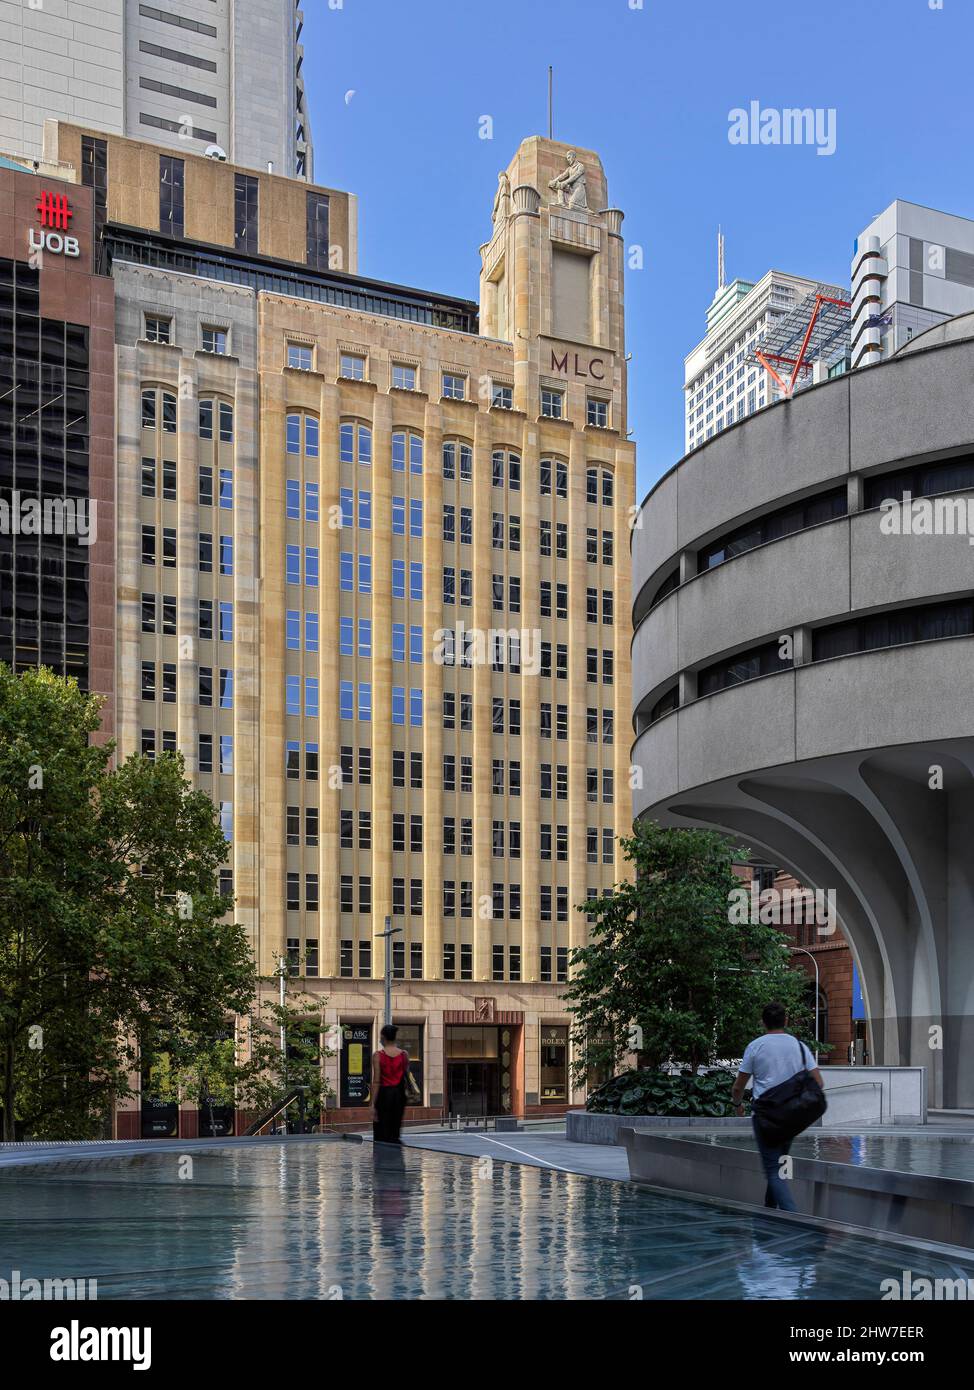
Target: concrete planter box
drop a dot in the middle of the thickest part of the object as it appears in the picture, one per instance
(874, 1096)
(905, 1204)
(583, 1128)
(857, 1096)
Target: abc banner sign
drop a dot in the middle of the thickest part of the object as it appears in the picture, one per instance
(55, 214)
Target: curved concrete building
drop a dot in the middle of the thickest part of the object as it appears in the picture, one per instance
(802, 672)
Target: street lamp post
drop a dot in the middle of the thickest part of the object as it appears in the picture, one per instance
(801, 951)
(387, 935)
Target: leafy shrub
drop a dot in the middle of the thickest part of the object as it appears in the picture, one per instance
(649, 1092)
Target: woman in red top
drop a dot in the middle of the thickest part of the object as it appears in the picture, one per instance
(389, 1067)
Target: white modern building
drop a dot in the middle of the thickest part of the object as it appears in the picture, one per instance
(225, 73)
(912, 267)
(722, 381)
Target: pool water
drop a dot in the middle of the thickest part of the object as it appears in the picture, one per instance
(322, 1221)
(934, 1155)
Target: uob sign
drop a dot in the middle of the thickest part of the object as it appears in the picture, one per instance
(55, 214)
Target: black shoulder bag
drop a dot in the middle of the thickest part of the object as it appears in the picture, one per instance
(790, 1107)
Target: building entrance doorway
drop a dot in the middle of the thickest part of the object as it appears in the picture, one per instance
(473, 1088)
(476, 1070)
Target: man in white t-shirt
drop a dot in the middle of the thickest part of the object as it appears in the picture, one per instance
(767, 1061)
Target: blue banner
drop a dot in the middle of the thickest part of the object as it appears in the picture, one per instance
(858, 1003)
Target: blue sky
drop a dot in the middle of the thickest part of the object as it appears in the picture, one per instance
(651, 90)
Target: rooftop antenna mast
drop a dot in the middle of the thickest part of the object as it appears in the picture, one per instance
(720, 260)
(550, 118)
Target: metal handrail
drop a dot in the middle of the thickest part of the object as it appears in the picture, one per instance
(297, 1094)
(852, 1085)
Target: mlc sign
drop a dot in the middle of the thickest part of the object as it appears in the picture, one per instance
(55, 214)
(564, 365)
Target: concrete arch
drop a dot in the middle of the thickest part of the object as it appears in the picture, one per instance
(826, 767)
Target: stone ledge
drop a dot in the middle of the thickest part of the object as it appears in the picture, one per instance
(585, 1128)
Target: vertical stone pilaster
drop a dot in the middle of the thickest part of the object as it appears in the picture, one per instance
(273, 728)
(432, 798)
(483, 801)
(623, 509)
(128, 696)
(329, 795)
(187, 573)
(380, 733)
(579, 694)
(530, 713)
(244, 588)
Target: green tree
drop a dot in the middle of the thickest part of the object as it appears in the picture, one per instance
(271, 1071)
(113, 935)
(666, 973)
(204, 1071)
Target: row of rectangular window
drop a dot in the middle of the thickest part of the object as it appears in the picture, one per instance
(292, 696)
(347, 568)
(504, 653)
(246, 192)
(205, 747)
(355, 446)
(302, 434)
(159, 409)
(160, 617)
(205, 553)
(505, 836)
(292, 630)
(513, 528)
(453, 385)
(553, 902)
(292, 501)
(310, 960)
(451, 952)
(350, 708)
(292, 563)
(457, 771)
(596, 722)
(166, 685)
(293, 893)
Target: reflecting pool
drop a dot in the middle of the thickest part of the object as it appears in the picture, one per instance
(328, 1221)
